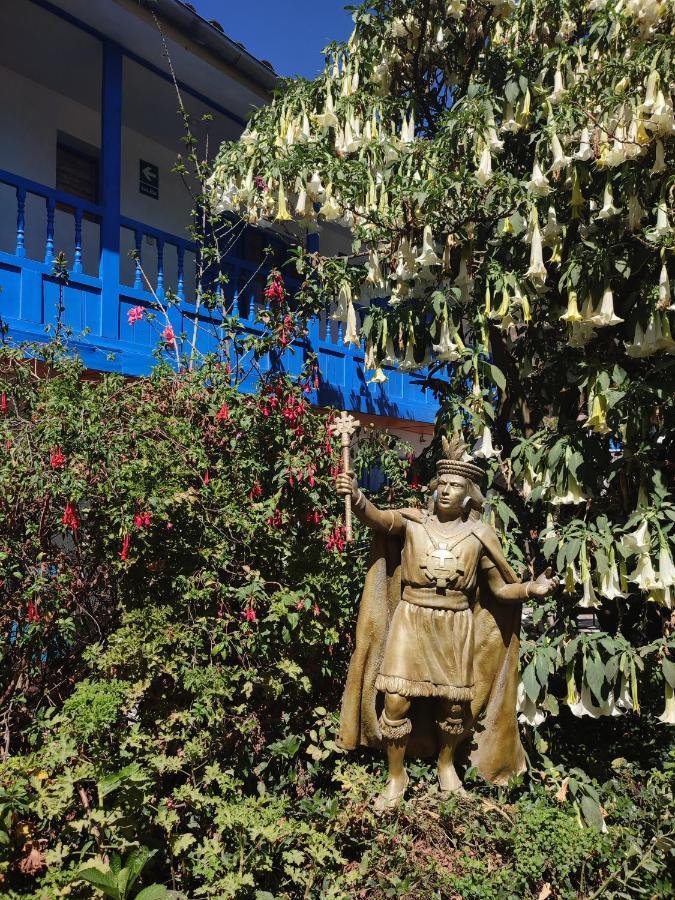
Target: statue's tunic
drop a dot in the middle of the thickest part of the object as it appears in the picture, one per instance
(429, 649)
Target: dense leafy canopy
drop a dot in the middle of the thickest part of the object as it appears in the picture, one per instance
(506, 173)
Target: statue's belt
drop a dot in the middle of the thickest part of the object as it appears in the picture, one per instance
(431, 596)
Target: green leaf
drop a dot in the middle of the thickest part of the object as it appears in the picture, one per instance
(591, 810)
(153, 892)
(104, 881)
(530, 682)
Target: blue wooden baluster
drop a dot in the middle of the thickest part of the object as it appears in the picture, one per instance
(180, 285)
(20, 221)
(77, 259)
(160, 268)
(49, 243)
(138, 277)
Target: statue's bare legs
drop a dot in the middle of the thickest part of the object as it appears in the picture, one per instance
(396, 729)
(450, 727)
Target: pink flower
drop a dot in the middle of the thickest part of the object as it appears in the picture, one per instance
(3, 403)
(206, 477)
(168, 335)
(135, 315)
(316, 610)
(57, 459)
(250, 615)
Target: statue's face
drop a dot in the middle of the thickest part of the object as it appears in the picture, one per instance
(451, 493)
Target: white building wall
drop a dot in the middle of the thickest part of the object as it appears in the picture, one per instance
(31, 115)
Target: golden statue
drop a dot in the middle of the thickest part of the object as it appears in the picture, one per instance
(437, 634)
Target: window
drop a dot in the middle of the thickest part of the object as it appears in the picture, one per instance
(77, 168)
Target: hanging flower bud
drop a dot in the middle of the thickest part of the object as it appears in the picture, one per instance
(282, 208)
(484, 171)
(572, 314)
(559, 91)
(635, 213)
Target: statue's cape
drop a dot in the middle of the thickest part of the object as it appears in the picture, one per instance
(496, 749)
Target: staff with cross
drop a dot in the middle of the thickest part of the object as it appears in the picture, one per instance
(345, 425)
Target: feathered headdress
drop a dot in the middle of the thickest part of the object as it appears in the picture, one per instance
(456, 460)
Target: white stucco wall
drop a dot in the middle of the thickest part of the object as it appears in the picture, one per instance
(31, 115)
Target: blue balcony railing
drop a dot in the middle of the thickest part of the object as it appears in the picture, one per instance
(48, 221)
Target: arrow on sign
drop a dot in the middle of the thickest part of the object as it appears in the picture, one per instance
(149, 174)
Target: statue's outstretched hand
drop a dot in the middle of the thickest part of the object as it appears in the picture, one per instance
(544, 585)
(346, 484)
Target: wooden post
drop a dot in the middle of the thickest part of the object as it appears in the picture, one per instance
(345, 426)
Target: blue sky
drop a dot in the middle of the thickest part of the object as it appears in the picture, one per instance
(288, 33)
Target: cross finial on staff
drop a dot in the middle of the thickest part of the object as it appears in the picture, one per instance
(345, 425)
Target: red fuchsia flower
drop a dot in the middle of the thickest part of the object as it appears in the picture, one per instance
(291, 480)
(126, 544)
(415, 482)
(70, 518)
(300, 605)
(255, 492)
(135, 315)
(223, 413)
(3, 403)
(206, 477)
(57, 459)
(275, 520)
(33, 614)
(142, 519)
(169, 526)
(168, 335)
(250, 615)
(275, 289)
(337, 539)
(316, 610)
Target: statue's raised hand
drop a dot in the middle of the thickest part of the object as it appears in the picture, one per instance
(544, 585)
(347, 485)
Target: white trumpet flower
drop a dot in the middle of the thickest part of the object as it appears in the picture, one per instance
(605, 316)
(659, 160)
(666, 565)
(639, 540)
(608, 210)
(662, 228)
(351, 335)
(485, 448)
(664, 289)
(537, 270)
(587, 707)
(484, 171)
(644, 575)
(668, 714)
(428, 256)
(449, 346)
(526, 710)
(538, 185)
(509, 122)
(610, 582)
(559, 91)
(661, 120)
(327, 119)
(584, 153)
(560, 161)
(573, 495)
(551, 230)
(379, 377)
